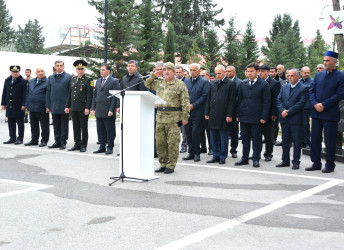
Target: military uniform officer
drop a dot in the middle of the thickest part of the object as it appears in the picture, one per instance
(13, 100)
(78, 103)
(175, 111)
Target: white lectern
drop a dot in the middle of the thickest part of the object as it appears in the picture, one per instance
(138, 133)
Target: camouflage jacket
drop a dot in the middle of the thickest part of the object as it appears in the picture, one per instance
(175, 94)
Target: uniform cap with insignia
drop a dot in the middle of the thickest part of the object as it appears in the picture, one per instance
(80, 64)
(14, 68)
(169, 65)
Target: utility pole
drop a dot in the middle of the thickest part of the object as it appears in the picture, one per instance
(106, 33)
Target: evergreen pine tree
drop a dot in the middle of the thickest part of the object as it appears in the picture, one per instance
(30, 39)
(212, 53)
(169, 46)
(232, 45)
(193, 53)
(316, 52)
(6, 31)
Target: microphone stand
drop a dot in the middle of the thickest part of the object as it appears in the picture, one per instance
(122, 176)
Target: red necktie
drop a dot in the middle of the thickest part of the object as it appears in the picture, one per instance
(103, 82)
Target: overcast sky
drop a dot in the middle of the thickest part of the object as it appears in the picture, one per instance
(53, 15)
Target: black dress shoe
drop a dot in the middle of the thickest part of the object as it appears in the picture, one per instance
(313, 168)
(197, 158)
(159, 170)
(100, 150)
(327, 170)
(203, 150)
(295, 166)
(241, 162)
(63, 146)
(98, 142)
(308, 147)
(31, 143)
(213, 160)
(55, 145)
(74, 148)
(222, 161)
(43, 144)
(83, 149)
(182, 150)
(278, 143)
(210, 152)
(9, 141)
(234, 155)
(268, 158)
(109, 151)
(189, 157)
(256, 164)
(168, 171)
(17, 142)
(283, 164)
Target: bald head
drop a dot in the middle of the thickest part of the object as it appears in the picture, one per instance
(305, 72)
(40, 73)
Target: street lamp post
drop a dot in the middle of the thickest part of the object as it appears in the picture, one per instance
(105, 30)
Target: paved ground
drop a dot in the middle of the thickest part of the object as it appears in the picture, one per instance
(53, 199)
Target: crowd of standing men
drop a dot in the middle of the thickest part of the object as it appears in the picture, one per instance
(203, 105)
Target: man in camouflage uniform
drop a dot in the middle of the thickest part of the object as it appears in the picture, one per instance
(175, 112)
(78, 103)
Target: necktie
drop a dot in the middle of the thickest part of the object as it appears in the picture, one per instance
(251, 82)
(12, 81)
(103, 82)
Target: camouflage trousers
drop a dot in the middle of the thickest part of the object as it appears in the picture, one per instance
(167, 144)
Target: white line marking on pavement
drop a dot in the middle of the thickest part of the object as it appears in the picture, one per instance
(34, 187)
(180, 163)
(206, 233)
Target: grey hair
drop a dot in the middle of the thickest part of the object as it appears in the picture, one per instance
(195, 64)
(206, 72)
(280, 65)
(321, 65)
(59, 61)
(296, 70)
(134, 62)
(159, 64)
(179, 67)
(220, 67)
(231, 66)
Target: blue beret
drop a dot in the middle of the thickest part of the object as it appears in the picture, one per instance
(331, 54)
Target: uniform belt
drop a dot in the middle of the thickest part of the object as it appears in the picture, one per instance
(169, 109)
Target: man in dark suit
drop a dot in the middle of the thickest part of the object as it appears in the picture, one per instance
(326, 91)
(104, 109)
(306, 80)
(220, 109)
(268, 129)
(13, 101)
(234, 125)
(254, 101)
(36, 104)
(57, 93)
(290, 103)
(78, 104)
(133, 78)
(198, 88)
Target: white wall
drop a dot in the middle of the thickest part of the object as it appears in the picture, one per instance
(32, 61)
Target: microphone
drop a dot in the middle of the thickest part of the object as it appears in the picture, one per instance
(145, 77)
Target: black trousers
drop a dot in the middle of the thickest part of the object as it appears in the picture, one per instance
(205, 131)
(80, 128)
(36, 119)
(234, 134)
(193, 132)
(294, 132)
(268, 132)
(60, 123)
(12, 127)
(251, 131)
(276, 128)
(106, 129)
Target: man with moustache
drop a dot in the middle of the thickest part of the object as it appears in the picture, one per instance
(57, 93)
(36, 105)
(104, 108)
(326, 91)
(78, 104)
(169, 115)
(13, 101)
(133, 79)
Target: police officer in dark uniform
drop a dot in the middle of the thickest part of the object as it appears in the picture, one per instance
(78, 103)
(13, 100)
